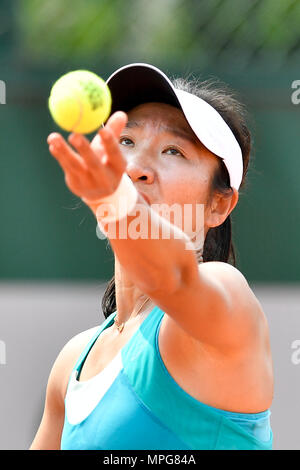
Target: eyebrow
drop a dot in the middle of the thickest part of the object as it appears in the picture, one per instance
(171, 130)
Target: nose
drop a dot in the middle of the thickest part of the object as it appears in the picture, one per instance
(138, 172)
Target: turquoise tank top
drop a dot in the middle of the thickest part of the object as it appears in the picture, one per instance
(134, 403)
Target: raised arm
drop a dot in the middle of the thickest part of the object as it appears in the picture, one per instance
(211, 302)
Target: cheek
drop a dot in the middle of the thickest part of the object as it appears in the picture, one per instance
(189, 189)
(184, 186)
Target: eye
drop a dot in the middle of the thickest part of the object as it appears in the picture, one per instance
(125, 141)
(174, 151)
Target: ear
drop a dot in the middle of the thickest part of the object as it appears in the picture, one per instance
(221, 206)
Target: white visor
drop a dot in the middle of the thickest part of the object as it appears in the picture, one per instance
(140, 83)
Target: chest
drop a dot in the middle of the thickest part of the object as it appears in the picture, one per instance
(243, 386)
(107, 346)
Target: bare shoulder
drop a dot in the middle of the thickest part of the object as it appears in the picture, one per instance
(247, 323)
(75, 345)
(235, 284)
(225, 272)
(67, 358)
(49, 432)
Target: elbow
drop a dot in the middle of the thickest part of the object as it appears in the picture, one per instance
(177, 276)
(172, 282)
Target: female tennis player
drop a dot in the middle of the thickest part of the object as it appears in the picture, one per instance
(182, 360)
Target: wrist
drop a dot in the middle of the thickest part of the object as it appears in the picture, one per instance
(117, 205)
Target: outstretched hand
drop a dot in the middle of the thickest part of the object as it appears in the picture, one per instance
(94, 169)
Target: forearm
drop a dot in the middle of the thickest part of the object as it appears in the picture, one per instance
(158, 257)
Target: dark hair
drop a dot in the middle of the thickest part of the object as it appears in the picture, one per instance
(218, 245)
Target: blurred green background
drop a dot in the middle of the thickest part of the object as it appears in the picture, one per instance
(253, 46)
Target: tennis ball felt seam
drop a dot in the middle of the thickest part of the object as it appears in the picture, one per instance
(76, 96)
(80, 113)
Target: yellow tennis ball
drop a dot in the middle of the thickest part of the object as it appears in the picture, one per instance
(80, 101)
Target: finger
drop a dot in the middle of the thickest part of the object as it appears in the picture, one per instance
(84, 148)
(116, 123)
(97, 147)
(112, 148)
(73, 182)
(67, 158)
(65, 165)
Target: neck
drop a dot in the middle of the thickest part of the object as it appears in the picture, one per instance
(128, 297)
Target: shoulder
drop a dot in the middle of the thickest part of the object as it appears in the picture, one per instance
(230, 279)
(224, 271)
(73, 348)
(244, 306)
(50, 429)
(66, 360)
(78, 342)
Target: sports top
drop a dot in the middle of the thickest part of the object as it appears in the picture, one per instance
(134, 403)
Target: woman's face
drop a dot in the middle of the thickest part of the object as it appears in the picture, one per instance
(165, 160)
